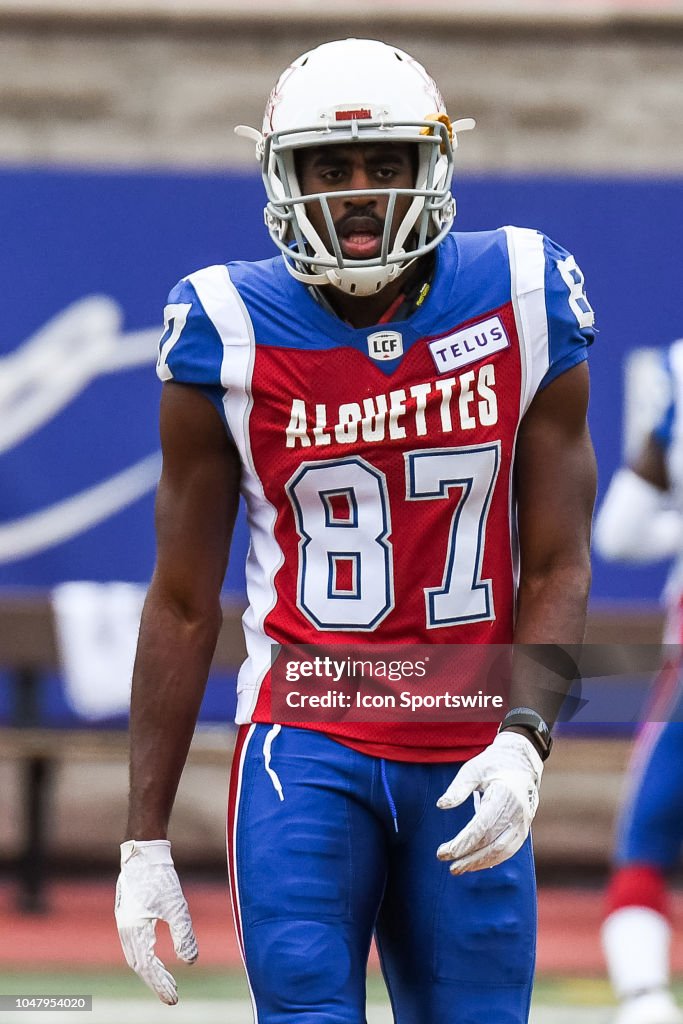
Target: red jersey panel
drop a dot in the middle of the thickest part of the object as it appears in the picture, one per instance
(377, 463)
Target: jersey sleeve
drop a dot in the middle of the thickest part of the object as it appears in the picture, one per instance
(569, 313)
(190, 349)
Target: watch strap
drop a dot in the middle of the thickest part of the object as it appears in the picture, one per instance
(534, 724)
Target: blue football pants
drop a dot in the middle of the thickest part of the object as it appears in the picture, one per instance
(650, 829)
(328, 845)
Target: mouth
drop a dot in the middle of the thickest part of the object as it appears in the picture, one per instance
(360, 238)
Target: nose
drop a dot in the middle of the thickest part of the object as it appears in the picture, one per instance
(359, 180)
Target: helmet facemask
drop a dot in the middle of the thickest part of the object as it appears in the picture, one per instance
(316, 261)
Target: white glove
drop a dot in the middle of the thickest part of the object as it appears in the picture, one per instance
(148, 890)
(508, 775)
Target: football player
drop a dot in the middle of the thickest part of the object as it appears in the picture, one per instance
(641, 520)
(404, 411)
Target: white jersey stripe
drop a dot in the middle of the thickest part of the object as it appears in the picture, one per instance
(527, 289)
(527, 270)
(226, 310)
(232, 862)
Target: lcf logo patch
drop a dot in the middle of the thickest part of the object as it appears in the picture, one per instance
(385, 345)
(469, 345)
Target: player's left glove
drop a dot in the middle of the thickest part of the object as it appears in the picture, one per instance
(508, 775)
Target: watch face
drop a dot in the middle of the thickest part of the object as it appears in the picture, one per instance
(545, 738)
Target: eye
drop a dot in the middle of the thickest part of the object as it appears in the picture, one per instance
(386, 172)
(331, 174)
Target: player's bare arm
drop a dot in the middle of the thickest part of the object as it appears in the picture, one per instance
(650, 464)
(555, 483)
(195, 512)
(196, 506)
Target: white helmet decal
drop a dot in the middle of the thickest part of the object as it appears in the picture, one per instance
(356, 90)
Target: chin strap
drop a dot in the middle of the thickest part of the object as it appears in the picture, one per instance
(362, 282)
(414, 296)
(365, 280)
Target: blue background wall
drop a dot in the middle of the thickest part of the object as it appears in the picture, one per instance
(66, 235)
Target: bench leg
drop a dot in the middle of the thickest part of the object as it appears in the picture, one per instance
(38, 777)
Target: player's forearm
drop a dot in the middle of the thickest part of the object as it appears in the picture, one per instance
(549, 630)
(172, 665)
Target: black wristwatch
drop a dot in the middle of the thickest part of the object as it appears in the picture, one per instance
(537, 727)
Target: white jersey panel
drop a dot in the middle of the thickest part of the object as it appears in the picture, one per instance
(527, 270)
(224, 307)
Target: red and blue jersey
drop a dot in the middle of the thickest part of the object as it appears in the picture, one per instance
(378, 462)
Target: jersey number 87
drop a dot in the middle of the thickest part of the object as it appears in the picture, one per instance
(343, 518)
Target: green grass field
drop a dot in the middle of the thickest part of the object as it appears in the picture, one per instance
(218, 997)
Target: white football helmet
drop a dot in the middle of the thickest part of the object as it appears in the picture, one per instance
(356, 90)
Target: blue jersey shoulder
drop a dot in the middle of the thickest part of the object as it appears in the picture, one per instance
(477, 269)
(282, 310)
(484, 282)
(570, 315)
(190, 349)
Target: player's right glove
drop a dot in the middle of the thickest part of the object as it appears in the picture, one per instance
(148, 890)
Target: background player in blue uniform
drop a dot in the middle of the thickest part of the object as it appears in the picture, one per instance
(333, 833)
(641, 520)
